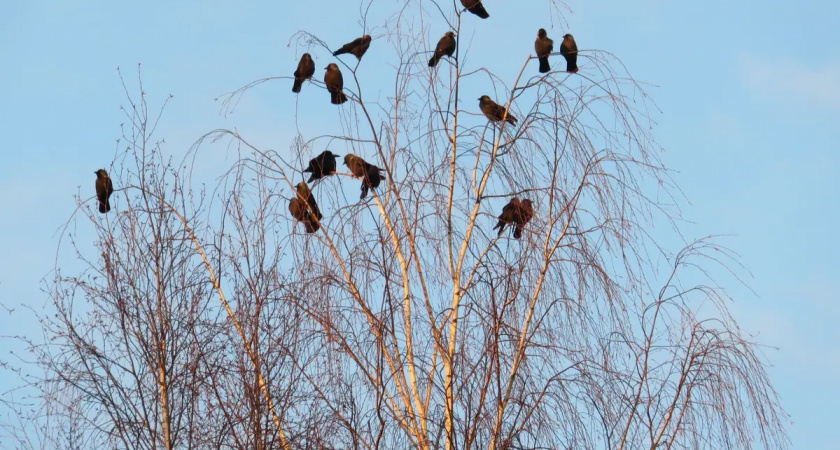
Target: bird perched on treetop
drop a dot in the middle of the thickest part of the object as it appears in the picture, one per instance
(321, 166)
(371, 175)
(304, 208)
(569, 51)
(543, 46)
(358, 47)
(335, 83)
(516, 213)
(305, 70)
(104, 189)
(494, 111)
(475, 7)
(445, 46)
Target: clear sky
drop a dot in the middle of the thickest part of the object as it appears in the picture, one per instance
(750, 95)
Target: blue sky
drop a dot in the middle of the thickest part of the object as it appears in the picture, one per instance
(750, 95)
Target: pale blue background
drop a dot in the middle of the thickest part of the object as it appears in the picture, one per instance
(750, 93)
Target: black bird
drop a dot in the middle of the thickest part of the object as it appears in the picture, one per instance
(569, 51)
(304, 208)
(445, 46)
(358, 47)
(522, 215)
(494, 111)
(508, 215)
(305, 70)
(104, 189)
(370, 174)
(475, 7)
(543, 46)
(335, 83)
(321, 166)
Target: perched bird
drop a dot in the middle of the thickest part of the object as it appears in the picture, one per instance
(358, 47)
(523, 214)
(335, 83)
(475, 7)
(304, 208)
(569, 51)
(321, 166)
(445, 46)
(305, 70)
(104, 189)
(543, 46)
(494, 111)
(508, 215)
(305, 194)
(370, 174)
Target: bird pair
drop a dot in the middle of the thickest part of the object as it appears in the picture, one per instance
(544, 46)
(332, 78)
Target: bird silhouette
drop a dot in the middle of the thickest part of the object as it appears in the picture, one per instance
(335, 83)
(543, 46)
(305, 70)
(494, 111)
(304, 208)
(445, 47)
(104, 189)
(370, 174)
(508, 215)
(358, 47)
(321, 166)
(569, 51)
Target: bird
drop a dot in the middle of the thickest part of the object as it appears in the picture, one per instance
(104, 189)
(507, 216)
(445, 46)
(305, 194)
(370, 174)
(569, 51)
(522, 215)
(304, 208)
(475, 7)
(335, 83)
(543, 46)
(321, 166)
(305, 70)
(358, 47)
(494, 111)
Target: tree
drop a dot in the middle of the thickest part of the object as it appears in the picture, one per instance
(406, 321)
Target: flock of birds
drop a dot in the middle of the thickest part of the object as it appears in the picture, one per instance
(303, 207)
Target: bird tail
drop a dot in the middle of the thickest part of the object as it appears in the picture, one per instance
(571, 63)
(338, 98)
(104, 206)
(297, 86)
(511, 120)
(364, 191)
(544, 66)
(435, 58)
(501, 226)
(517, 232)
(479, 11)
(311, 226)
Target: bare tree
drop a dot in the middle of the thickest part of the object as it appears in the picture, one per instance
(406, 321)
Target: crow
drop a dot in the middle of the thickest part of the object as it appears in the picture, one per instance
(494, 111)
(508, 215)
(321, 166)
(569, 51)
(104, 189)
(370, 174)
(302, 207)
(445, 46)
(335, 83)
(358, 47)
(475, 7)
(543, 46)
(305, 70)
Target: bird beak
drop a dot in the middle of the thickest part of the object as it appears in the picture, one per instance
(327, 68)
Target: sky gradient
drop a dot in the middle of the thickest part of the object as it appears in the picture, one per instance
(750, 100)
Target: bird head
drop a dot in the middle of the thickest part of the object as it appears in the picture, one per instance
(527, 203)
(302, 188)
(306, 56)
(542, 33)
(101, 173)
(450, 34)
(329, 153)
(568, 36)
(331, 66)
(484, 98)
(366, 39)
(348, 159)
